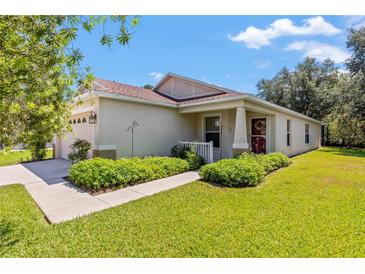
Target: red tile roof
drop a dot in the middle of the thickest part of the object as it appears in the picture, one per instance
(128, 90)
(147, 94)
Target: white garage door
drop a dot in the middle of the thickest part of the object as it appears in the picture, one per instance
(81, 130)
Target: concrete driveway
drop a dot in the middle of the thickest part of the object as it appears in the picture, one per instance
(49, 171)
(59, 200)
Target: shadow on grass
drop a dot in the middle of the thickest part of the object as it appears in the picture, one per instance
(354, 152)
(9, 235)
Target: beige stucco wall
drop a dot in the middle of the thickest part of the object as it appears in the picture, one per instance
(227, 121)
(160, 127)
(79, 130)
(276, 131)
(298, 135)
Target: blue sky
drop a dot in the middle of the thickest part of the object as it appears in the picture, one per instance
(232, 51)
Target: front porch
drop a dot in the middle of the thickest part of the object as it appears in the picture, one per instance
(234, 130)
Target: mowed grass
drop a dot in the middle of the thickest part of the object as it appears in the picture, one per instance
(19, 156)
(313, 208)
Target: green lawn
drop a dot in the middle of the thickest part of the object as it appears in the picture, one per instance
(314, 208)
(15, 157)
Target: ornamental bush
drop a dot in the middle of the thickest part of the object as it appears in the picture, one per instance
(259, 158)
(270, 162)
(99, 173)
(234, 172)
(246, 170)
(184, 152)
(79, 150)
(276, 160)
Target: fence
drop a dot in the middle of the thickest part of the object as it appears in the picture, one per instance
(203, 149)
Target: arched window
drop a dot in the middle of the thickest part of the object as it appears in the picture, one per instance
(84, 120)
(70, 121)
(74, 121)
(79, 121)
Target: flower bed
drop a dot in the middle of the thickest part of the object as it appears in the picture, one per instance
(100, 174)
(246, 170)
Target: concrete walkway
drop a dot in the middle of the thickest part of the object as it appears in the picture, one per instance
(61, 201)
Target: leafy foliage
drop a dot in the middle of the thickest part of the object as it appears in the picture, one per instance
(310, 89)
(79, 150)
(346, 130)
(184, 152)
(233, 172)
(246, 170)
(148, 86)
(276, 160)
(39, 68)
(321, 91)
(99, 173)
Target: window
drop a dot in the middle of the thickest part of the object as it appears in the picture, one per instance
(306, 134)
(212, 130)
(288, 132)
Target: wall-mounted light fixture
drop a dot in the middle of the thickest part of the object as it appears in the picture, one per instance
(92, 118)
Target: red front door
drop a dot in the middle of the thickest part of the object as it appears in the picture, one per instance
(258, 135)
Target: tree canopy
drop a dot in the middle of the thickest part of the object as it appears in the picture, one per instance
(39, 68)
(324, 92)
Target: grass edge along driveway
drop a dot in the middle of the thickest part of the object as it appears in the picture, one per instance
(313, 208)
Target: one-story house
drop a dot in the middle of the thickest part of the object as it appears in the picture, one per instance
(183, 109)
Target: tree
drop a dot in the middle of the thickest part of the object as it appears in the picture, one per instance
(148, 86)
(345, 126)
(356, 66)
(345, 129)
(39, 68)
(310, 89)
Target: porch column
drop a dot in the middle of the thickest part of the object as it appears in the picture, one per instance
(240, 143)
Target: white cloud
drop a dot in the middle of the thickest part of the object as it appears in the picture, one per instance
(255, 38)
(355, 21)
(156, 75)
(321, 51)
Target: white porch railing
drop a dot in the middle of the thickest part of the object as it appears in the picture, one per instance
(203, 149)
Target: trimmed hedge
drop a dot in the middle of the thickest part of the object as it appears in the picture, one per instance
(270, 162)
(246, 170)
(100, 173)
(277, 160)
(233, 172)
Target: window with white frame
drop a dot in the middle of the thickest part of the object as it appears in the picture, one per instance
(212, 130)
(288, 133)
(306, 133)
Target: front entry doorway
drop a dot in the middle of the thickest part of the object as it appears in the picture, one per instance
(258, 135)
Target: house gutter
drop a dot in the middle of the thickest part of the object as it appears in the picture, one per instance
(247, 97)
(251, 98)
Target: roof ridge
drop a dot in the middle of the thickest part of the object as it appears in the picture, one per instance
(120, 83)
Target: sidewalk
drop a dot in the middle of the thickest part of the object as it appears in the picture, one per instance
(61, 201)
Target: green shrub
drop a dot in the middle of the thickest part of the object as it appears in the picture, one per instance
(79, 150)
(195, 161)
(179, 151)
(233, 172)
(184, 152)
(277, 160)
(94, 174)
(259, 158)
(99, 173)
(270, 162)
